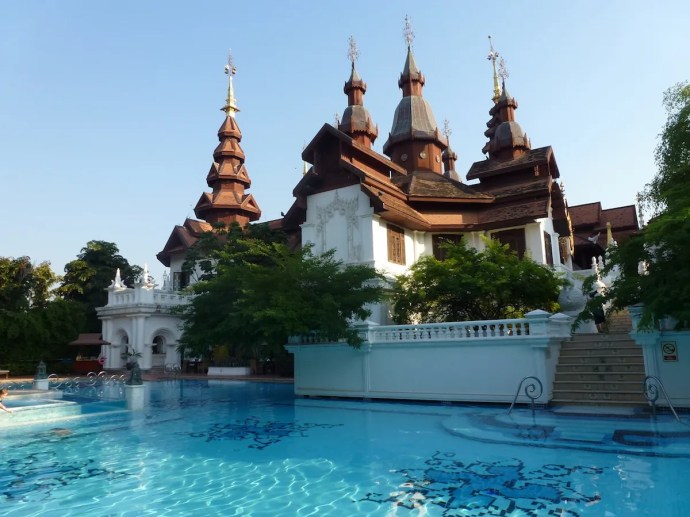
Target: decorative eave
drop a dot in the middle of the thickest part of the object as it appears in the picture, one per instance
(327, 131)
(227, 171)
(89, 339)
(182, 238)
(244, 204)
(534, 157)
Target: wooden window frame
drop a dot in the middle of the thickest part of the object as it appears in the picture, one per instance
(440, 238)
(396, 244)
(515, 238)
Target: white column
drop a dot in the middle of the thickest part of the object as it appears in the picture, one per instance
(141, 345)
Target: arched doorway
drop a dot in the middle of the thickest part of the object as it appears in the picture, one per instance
(158, 351)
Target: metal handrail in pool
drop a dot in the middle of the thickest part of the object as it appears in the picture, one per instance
(650, 387)
(530, 389)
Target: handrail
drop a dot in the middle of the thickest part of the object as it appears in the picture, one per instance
(530, 389)
(651, 393)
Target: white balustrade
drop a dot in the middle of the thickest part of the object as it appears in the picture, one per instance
(457, 331)
(534, 324)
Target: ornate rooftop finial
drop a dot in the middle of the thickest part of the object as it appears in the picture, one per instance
(230, 107)
(408, 33)
(639, 199)
(337, 119)
(446, 128)
(305, 166)
(352, 51)
(503, 70)
(493, 56)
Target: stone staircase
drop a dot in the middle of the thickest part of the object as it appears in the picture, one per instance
(619, 322)
(599, 369)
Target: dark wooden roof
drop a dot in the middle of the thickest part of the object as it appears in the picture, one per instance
(430, 184)
(182, 238)
(591, 215)
(487, 168)
(89, 339)
(424, 200)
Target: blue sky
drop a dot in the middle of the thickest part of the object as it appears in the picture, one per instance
(109, 110)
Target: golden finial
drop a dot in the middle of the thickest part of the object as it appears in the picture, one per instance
(352, 51)
(493, 56)
(408, 33)
(230, 107)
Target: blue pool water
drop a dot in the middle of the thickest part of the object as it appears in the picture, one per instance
(232, 448)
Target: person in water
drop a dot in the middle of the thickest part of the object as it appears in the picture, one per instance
(3, 394)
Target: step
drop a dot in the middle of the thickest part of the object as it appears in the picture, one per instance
(592, 396)
(630, 367)
(603, 351)
(579, 402)
(599, 386)
(600, 343)
(600, 336)
(600, 360)
(600, 376)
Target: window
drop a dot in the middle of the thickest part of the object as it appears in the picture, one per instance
(548, 249)
(180, 280)
(158, 345)
(564, 248)
(396, 245)
(513, 238)
(443, 238)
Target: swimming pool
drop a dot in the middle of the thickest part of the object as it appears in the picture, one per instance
(237, 448)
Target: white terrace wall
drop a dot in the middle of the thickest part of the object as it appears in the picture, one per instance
(470, 361)
(667, 357)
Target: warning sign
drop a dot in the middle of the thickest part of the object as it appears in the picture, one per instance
(669, 351)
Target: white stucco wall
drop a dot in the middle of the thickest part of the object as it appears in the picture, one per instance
(133, 318)
(341, 220)
(673, 369)
(431, 365)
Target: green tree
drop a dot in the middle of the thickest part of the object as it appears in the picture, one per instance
(474, 285)
(263, 292)
(654, 265)
(24, 285)
(200, 260)
(33, 325)
(87, 277)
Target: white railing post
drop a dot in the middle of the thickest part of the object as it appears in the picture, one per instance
(538, 322)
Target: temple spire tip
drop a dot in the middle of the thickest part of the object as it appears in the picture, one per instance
(493, 57)
(230, 107)
(408, 33)
(352, 51)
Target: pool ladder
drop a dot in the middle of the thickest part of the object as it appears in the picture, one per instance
(533, 390)
(652, 386)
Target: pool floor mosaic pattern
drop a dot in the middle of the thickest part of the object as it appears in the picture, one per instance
(238, 449)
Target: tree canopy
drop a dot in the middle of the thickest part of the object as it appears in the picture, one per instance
(24, 285)
(33, 325)
(262, 292)
(474, 285)
(90, 273)
(654, 265)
